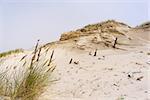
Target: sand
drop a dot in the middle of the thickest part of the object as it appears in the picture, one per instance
(120, 73)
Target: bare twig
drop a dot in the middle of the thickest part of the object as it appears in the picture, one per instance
(114, 46)
(76, 62)
(50, 60)
(95, 53)
(39, 54)
(70, 61)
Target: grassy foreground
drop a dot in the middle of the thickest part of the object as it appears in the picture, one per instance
(30, 83)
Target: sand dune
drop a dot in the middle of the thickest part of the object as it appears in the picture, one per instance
(100, 69)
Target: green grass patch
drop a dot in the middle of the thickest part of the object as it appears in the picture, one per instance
(4, 54)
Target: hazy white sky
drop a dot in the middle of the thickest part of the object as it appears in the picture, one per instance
(22, 22)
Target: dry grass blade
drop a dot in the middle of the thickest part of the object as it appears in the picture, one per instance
(51, 58)
(30, 82)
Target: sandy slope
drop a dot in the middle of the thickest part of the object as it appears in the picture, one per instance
(113, 74)
(104, 76)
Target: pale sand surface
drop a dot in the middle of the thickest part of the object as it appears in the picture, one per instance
(110, 75)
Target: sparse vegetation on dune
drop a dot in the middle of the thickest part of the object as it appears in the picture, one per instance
(4, 54)
(144, 25)
(30, 82)
(109, 26)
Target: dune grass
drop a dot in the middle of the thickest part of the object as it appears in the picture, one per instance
(145, 25)
(27, 86)
(4, 54)
(30, 82)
